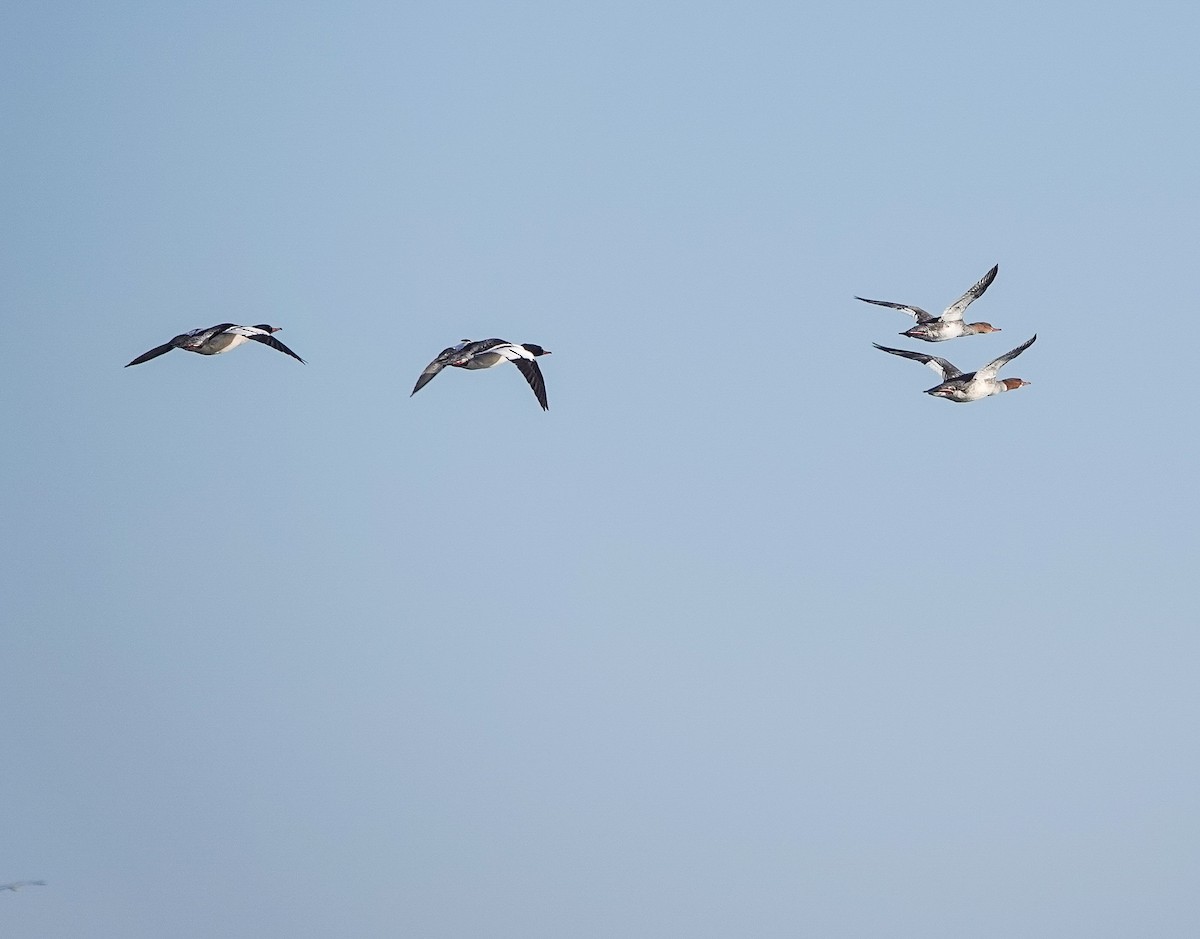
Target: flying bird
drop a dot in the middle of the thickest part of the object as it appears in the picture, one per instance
(962, 387)
(950, 324)
(18, 884)
(218, 339)
(484, 353)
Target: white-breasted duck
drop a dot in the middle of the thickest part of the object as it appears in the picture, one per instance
(217, 339)
(963, 387)
(950, 324)
(484, 353)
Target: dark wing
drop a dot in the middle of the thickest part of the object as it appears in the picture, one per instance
(433, 368)
(921, 315)
(939, 365)
(427, 376)
(268, 340)
(990, 370)
(153, 353)
(956, 309)
(533, 375)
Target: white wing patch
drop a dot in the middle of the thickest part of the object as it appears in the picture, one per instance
(513, 352)
(938, 367)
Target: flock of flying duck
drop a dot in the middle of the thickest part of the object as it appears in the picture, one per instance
(469, 354)
(955, 384)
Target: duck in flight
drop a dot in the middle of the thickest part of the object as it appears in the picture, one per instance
(484, 353)
(18, 884)
(217, 339)
(950, 324)
(963, 387)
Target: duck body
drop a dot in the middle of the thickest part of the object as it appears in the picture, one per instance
(486, 353)
(939, 330)
(965, 387)
(949, 325)
(217, 339)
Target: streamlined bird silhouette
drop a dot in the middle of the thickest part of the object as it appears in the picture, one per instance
(950, 324)
(217, 339)
(964, 387)
(484, 353)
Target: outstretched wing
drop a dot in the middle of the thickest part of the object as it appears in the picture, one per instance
(268, 340)
(944, 368)
(990, 370)
(956, 309)
(153, 353)
(525, 360)
(533, 375)
(442, 360)
(428, 375)
(921, 315)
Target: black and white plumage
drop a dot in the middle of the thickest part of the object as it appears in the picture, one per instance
(18, 884)
(484, 353)
(217, 339)
(950, 324)
(963, 387)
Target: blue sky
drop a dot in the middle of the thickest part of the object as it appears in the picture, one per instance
(745, 635)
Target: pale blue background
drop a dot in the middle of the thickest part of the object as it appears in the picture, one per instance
(746, 636)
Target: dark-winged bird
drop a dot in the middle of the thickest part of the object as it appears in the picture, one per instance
(950, 324)
(218, 339)
(484, 353)
(963, 387)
